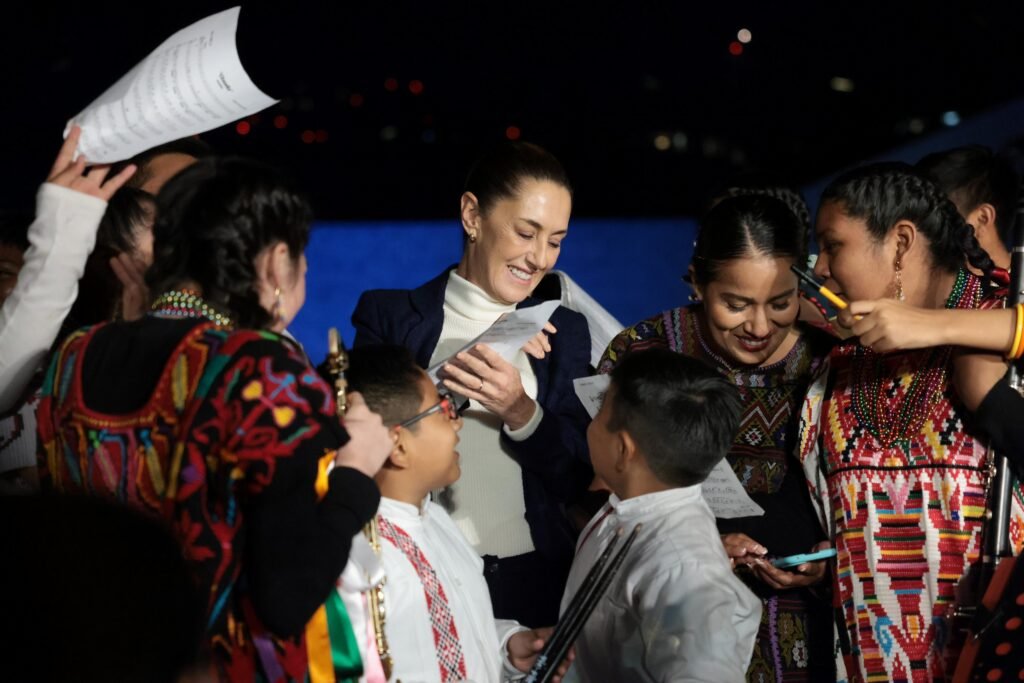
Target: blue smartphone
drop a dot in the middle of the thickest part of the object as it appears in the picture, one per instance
(794, 560)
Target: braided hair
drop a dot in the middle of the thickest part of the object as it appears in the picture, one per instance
(787, 195)
(213, 219)
(884, 194)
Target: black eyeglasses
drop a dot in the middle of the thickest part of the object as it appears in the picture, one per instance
(446, 404)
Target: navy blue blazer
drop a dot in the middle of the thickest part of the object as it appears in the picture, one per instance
(554, 459)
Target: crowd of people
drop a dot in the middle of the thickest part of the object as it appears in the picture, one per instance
(186, 501)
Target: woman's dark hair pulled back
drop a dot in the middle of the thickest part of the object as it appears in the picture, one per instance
(745, 226)
(213, 219)
(499, 173)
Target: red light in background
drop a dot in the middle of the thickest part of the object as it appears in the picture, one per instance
(356, 100)
(735, 48)
(513, 132)
(280, 121)
(391, 84)
(321, 135)
(243, 127)
(308, 137)
(416, 87)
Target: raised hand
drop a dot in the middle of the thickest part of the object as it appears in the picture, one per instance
(70, 172)
(888, 325)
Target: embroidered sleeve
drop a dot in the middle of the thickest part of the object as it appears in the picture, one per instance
(645, 334)
(271, 419)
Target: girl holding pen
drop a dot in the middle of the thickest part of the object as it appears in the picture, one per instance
(888, 444)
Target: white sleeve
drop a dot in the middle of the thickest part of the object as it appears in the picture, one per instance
(698, 624)
(507, 628)
(60, 240)
(527, 430)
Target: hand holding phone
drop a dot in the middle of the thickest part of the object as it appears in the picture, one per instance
(794, 560)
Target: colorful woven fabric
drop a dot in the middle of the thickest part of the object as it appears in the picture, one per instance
(229, 411)
(905, 518)
(450, 661)
(789, 647)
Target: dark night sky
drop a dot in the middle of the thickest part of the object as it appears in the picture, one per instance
(595, 83)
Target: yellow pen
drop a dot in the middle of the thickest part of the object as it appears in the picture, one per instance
(825, 291)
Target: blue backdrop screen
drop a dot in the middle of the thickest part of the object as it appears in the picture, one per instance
(633, 267)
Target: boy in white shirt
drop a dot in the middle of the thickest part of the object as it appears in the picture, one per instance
(439, 622)
(674, 611)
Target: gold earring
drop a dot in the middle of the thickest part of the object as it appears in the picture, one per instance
(278, 306)
(899, 281)
(472, 236)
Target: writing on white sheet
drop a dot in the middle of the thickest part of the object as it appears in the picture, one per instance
(193, 82)
(508, 334)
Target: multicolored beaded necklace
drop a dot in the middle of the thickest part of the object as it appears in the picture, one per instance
(186, 303)
(874, 392)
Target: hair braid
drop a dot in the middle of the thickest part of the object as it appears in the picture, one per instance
(884, 194)
(213, 220)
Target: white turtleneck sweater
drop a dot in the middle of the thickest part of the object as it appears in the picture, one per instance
(487, 501)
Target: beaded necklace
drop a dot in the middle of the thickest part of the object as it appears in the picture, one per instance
(186, 303)
(874, 393)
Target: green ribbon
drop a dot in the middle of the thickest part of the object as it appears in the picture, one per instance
(348, 665)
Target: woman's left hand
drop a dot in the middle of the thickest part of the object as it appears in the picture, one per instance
(806, 574)
(483, 375)
(540, 345)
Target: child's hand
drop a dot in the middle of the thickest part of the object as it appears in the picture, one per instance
(742, 549)
(524, 646)
(806, 574)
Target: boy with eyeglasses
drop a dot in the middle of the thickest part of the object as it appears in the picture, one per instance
(439, 624)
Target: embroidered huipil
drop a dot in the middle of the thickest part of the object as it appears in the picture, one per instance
(905, 508)
(222, 434)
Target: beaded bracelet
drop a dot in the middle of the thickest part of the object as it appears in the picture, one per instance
(1017, 347)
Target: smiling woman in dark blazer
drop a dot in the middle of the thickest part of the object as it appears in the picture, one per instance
(523, 445)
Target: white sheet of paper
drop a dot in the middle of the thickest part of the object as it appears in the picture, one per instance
(193, 82)
(726, 496)
(722, 490)
(508, 333)
(590, 392)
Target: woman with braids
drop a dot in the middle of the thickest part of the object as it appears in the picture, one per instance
(888, 445)
(745, 324)
(202, 414)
